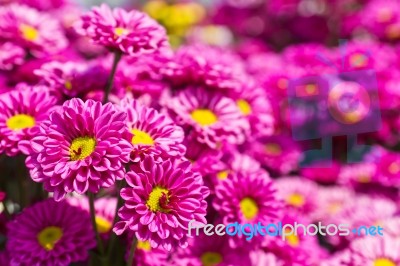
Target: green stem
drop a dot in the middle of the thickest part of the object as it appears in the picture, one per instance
(113, 237)
(132, 252)
(23, 181)
(110, 81)
(93, 220)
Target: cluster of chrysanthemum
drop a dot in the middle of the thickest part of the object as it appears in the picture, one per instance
(201, 133)
(311, 20)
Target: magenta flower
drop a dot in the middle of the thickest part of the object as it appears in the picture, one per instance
(212, 67)
(255, 106)
(332, 200)
(50, 233)
(36, 31)
(104, 212)
(247, 198)
(279, 153)
(365, 211)
(375, 251)
(68, 78)
(382, 19)
(133, 32)
(204, 159)
(140, 76)
(11, 55)
(300, 195)
(21, 113)
(362, 173)
(388, 169)
(210, 250)
(145, 255)
(161, 199)
(153, 133)
(80, 148)
(214, 118)
(297, 249)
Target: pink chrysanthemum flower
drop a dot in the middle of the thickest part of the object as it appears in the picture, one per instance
(204, 159)
(365, 211)
(233, 162)
(247, 198)
(300, 195)
(80, 148)
(356, 174)
(153, 133)
(161, 199)
(391, 227)
(69, 78)
(104, 212)
(297, 249)
(10, 55)
(208, 66)
(323, 171)
(208, 251)
(145, 255)
(140, 76)
(279, 153)
(331, 200)
(50, 233)
(366, 55)
(382, 18)
(388, 169)
(21, 113)
(214, 118)
(255, 106)
(341, 258)
(377, 251)
(133, 32)
(38, 32)
(262, 258)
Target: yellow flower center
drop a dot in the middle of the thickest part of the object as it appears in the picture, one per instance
(21, 121)
(394, 168)
(204, 117)
(384, 262)
(211, 258)
(81, 148)
(143, 245)
(49, 236)
(273, 149)
(141, 138)
(359, 60)
(223, 174)
(28, 32)
(249, 208)
(158, 199)
(334, 207)
(119, 31)
(103, 226)
(296, 200)
(244, 107)
(68, 85)
(292, 239)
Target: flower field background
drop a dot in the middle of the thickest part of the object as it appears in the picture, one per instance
(121, 125)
